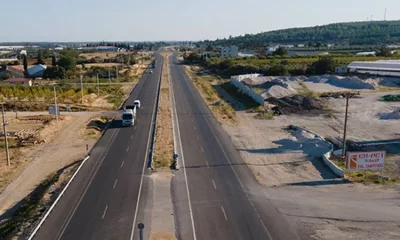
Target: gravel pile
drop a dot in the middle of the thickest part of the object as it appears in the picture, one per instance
(345, 82)
(294, 104)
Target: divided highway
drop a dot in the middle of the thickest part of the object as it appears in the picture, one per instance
(103, 201)
(215, 195)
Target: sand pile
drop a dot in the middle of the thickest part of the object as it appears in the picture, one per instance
(278, 92)
(391, 115)
(308, 143)
(345, 82)
(294, 104)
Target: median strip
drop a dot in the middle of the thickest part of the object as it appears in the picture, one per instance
(163, 148)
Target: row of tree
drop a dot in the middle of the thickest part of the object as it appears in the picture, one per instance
(325, 64)
(353, 33)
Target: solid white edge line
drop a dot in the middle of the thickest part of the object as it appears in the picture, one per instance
(223, 151)
(104, 213)
(187, 184)
(237, 177)
(88, 185)
(145, 159)
(57, 199)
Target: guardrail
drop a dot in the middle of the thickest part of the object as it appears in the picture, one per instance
(153, 137)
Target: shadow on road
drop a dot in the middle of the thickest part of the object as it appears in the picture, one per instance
(320, 182)
(296, 163)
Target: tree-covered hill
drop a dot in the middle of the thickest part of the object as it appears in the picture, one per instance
(353, 33)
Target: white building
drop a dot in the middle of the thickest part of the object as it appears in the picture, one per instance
(366, 54)
(231, 51)
(380, 68)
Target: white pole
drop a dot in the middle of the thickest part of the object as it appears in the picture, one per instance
(98, 89)
(82, 88)
(55, 102)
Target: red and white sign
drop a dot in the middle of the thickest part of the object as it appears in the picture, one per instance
(374, 160)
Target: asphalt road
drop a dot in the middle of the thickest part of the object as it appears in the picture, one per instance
(102, 201)
(219, 197)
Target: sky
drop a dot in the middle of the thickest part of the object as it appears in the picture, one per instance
(155, 20)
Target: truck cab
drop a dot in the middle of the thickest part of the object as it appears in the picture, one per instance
(128, 118)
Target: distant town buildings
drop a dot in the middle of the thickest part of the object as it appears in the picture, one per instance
(232, 51)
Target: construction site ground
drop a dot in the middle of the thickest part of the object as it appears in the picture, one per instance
(308, 192)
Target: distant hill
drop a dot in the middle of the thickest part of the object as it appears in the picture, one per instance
(353, 33)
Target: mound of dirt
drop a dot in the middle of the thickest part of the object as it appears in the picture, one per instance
(294, 104)
(278, 92)
(345, 82)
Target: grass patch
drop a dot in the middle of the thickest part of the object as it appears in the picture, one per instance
(28, 210)
(265, 115)
(247, 101)
(364, 176)
(204, 83)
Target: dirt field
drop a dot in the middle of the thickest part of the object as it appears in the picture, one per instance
(163, 148)
(65, 143)
(209, 87)
(99, 54)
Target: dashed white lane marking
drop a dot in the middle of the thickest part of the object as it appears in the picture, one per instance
(122, 164)
(215, 186)
(223, 211)
(194, 127)
(208, 166)
(127, 149)
(115, 183)
(132, 137)
(104, 213)
(201, 148)
(198, 138)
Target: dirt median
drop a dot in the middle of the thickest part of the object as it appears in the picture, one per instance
(163, 146)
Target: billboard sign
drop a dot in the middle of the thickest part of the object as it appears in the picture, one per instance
(52, 110)
(371, 160)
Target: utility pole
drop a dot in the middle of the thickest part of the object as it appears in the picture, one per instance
(55, 102)
(385, 14)
(82, 88)
(348, 96)
(98, 89)
(5, 136)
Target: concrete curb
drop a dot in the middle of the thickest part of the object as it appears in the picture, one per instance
(153, 137)
(174, 121)
(57, 200)
(325, 157)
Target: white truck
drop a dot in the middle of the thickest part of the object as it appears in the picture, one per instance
(128, 117)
